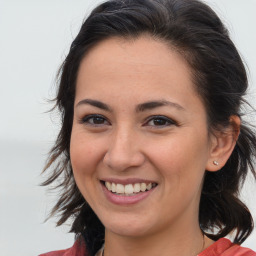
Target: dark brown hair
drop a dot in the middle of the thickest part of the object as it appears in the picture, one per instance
(196, 32)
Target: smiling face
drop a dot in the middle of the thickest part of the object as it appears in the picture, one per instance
(139, 143)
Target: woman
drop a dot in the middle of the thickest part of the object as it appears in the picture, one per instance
(153, 150)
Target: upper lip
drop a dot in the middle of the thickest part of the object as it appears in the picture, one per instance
(127, 181)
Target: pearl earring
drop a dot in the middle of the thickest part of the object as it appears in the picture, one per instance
(216, 163)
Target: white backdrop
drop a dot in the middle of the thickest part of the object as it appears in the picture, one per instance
(34, 38)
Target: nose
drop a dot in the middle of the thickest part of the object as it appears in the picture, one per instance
(124, 151)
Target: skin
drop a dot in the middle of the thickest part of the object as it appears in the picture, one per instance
(128, 142)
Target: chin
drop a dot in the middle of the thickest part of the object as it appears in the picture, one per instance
(128, 226)
(128, 231)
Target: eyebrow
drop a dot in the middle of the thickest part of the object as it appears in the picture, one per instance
(155, 104)
(94, 103)
(139, 108)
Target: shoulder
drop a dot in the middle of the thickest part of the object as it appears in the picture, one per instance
(77, 249)
(223, 247)
(237, 250)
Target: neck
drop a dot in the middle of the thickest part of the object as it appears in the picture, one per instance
(188, 243)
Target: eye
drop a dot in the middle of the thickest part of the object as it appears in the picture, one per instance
(95, 120)
(159, 121)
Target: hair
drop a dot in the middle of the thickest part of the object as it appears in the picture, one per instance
(195, 31)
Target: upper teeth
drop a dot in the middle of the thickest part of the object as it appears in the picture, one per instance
(129, 188)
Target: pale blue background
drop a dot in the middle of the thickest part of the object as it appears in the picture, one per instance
(34, 38)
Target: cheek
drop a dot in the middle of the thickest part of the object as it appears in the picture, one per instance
(83, 161)
(80, 154)
(183, 154)
(86, 152)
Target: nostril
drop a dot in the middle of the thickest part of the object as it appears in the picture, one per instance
(120, 160)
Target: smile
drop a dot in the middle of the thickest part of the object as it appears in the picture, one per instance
(128, 189)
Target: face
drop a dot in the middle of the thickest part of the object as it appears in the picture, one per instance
(139, 143)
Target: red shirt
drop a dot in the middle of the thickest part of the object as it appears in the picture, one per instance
(223, 247)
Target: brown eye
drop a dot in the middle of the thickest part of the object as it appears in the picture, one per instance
(95, 120)
(160, 121)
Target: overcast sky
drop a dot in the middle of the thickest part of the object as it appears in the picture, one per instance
(34, 39)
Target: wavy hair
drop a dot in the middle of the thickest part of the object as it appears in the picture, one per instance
(194, 30)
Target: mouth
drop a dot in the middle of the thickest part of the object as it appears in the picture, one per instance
(131, 189)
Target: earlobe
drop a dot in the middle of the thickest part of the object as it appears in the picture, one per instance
(216, 162)
(223, 143)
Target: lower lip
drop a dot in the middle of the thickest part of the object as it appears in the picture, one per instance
(126, 200)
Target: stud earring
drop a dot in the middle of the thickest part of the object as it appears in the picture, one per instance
(216, 162)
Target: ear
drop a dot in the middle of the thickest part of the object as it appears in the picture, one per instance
(222, 144)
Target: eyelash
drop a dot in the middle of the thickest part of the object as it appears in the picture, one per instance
(167, 121)
(86, 120)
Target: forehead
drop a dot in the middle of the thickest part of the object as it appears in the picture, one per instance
(143, 66)
(143, 52)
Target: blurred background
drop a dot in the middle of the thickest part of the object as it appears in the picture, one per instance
(35, 37)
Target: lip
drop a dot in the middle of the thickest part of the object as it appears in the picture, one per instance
(126, 200)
